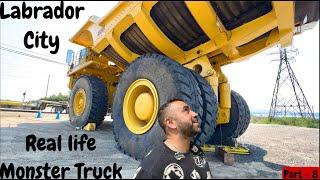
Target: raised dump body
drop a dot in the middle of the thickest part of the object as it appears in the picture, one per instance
(160, 47)
(183, 31)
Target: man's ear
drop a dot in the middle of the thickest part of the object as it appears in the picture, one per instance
(170, 123)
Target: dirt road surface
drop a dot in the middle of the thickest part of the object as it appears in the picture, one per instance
(271, 146)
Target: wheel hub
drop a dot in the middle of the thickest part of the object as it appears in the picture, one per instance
(144, 106)
(140, 106)
(79, 102)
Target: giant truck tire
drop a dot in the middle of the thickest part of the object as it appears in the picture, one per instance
(149, 82)
(88, 102)
(210, 110)
(238, 124)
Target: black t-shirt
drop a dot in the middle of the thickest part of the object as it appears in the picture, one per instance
(163, 163)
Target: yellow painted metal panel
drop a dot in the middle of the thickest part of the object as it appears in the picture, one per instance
(204, 63)
(208, 21)
(223, 116)
(114, 13)
(284, 11)
(15, 103)
(90, 127)
(225, 95)
(154, 34)
(83, 36)
(253, 29)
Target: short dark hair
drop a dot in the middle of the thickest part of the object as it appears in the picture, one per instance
(162, 112)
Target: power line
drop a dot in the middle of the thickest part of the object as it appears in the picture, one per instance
(15, 47)
(32, 56)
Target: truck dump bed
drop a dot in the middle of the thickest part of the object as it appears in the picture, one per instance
(224, 31)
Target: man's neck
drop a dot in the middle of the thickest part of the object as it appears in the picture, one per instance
(178, 143)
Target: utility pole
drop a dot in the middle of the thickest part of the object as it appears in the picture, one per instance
(24, 96)
(47, 85)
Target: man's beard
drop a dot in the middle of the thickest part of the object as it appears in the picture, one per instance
(188, 130)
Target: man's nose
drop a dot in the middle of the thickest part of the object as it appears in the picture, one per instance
(194, 114)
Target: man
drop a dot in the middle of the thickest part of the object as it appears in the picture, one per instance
(177, 157)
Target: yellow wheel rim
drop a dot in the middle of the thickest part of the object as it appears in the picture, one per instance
(140, 106)
(79, 102)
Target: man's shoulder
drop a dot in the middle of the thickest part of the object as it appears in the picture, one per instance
(152, 164)
(153, 156)
(196, 149)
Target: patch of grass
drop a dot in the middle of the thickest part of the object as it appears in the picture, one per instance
(290, 121)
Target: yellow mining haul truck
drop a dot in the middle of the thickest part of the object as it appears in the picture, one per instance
(141, 54)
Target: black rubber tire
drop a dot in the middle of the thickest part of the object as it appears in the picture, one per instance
(210, 110)
(238, 124)
(171, 80)
(96, 101)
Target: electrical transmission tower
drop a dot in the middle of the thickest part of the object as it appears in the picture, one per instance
(288, 98)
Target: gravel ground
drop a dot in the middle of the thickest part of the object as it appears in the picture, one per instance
(271, 146)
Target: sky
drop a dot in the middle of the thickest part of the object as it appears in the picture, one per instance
(253, 78)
